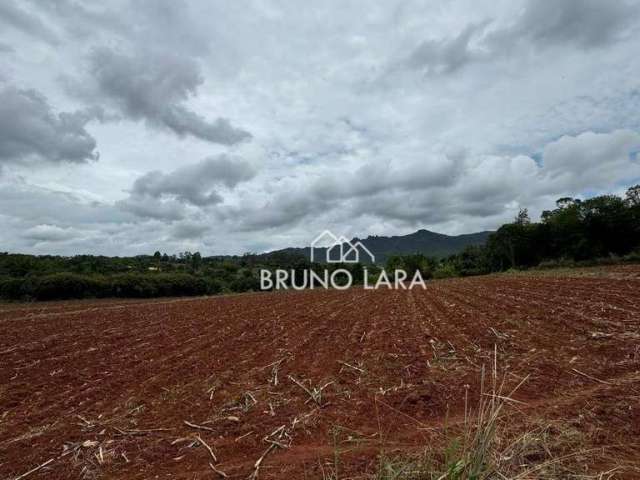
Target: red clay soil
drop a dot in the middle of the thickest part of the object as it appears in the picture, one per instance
(104, 389)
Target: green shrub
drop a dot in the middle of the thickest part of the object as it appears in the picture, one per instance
(446, 270)
(63, 286)
(12, 288)
(132, 285)
(158, 285)
(245, 284)
(182, 284)
(214, 286)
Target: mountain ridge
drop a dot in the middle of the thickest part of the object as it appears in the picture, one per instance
(423, 241)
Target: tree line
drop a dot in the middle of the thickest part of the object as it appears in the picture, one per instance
(602, 229)
(49, 277)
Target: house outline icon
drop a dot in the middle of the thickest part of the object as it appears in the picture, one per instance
(347, 252)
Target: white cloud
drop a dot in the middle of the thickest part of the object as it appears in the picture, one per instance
(49, 233)
(592, 160)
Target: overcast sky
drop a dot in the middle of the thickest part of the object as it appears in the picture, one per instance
(231, 126)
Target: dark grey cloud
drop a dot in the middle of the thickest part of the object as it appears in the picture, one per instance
(12, 15)
(337, 189)
(154, 86)
(29, 129)
(446, 55)
(165, 196)
(584, 23)
(195, 184)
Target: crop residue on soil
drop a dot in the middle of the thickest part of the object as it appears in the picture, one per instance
(275, 384)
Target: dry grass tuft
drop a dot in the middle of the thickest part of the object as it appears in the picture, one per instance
(485, 451)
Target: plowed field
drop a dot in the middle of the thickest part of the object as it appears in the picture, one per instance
(123, 389)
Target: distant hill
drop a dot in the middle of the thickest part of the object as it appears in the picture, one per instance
(423, 241)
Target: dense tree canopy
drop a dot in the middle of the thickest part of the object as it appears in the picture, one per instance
(576, 230)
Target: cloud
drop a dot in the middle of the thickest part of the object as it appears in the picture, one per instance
(439, 188)
(40, 205)
(591, 160)
(194, 184)
(169, 196)
(155, 86)
(81, 20)
(444, 56)
(149, 207)
(583, 23)
(29, 129)
(49, 233)
(12, 15)
(188, 230)
(339, 190)
(173, 24)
